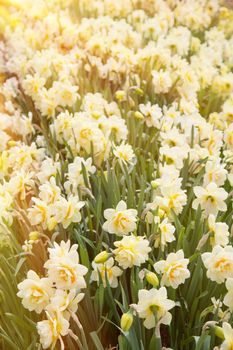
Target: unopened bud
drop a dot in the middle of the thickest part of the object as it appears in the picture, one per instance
(154, 184)
(52, 223)
(219, 332)
(195, 44)
(102, 257)
(161, 213)
(120, 95)
(96, 115)
(34, 235)
(138, 115)
(12, 143)
(149, 217)
(152, 279)
(126, 321)
(139, 91)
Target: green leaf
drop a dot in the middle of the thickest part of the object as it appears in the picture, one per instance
(96, 341)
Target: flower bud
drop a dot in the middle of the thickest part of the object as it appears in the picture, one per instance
(102, 257)
(120, 95)
(12, 143)
(152, 279)
(138, 115)
(139, 91)
(154, 184)
(34, 235)
(161, 213)
(52, 223)
(96, 115)
(126, 321)
(219, 332)
(149, 217)
(195, 44)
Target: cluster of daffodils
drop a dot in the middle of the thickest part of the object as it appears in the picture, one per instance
(57, 295)
(51, 208)
(116, 133)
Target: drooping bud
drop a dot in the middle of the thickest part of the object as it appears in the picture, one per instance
(120, 95)
(126, 321)
(34, 235)
(138, 115)
(219, 332)
(52, 223)
(154, 184)
(152, 279)
(102, 257)
(139, 91)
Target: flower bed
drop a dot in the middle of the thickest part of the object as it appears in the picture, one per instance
(116, 174)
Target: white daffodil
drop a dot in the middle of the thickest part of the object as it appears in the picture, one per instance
(166, 233)
(131, 251)
(174, 269)
(219, 232)
(75, 173)
(67, 211)
(48, 169)
(52, 329)
(35, 292)
(121, 220)
(64, 249)
(219, 263)
(63, 267)
(211, 198)
(66, 301)
(228, 335)
(215, 172)
(171, 196)
(49, 191)
(162, 81)
(106, 269)
(39, 213)
(21, 183)
(154, 307)
(152, 114)
(228, 299)
(124, 152)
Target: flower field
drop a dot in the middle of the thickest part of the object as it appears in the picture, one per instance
(116, 174)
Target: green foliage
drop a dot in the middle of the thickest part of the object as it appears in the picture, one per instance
(17, 325)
